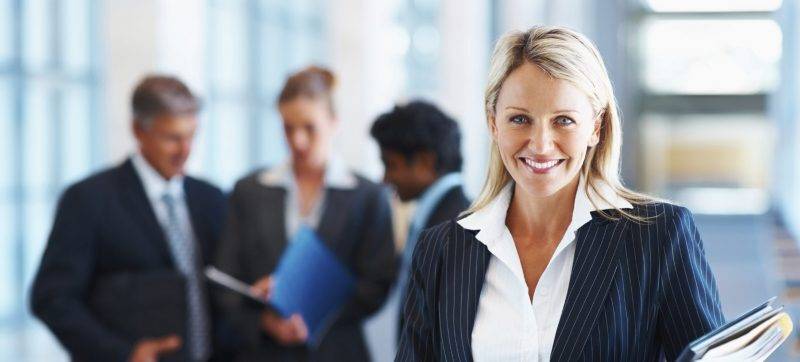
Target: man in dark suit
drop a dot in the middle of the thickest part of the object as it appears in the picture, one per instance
(121, 277)
(421, 153)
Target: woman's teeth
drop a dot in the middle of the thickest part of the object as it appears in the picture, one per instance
(541, 165)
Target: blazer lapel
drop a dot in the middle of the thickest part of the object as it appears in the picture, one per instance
(464, 271)
(596, 262)
(198, 226)
(333, 218)
(142, 211)
(273, 230)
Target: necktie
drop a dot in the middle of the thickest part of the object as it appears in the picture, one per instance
(184, 254)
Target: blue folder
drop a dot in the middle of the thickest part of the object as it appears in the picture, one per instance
(312, 281)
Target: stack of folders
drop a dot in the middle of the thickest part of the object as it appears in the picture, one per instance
(310, 280)
(752, 336)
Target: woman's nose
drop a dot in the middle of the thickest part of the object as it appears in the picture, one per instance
(299, 140)
(541, 140)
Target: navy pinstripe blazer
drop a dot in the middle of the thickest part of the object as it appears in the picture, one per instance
(638, 291)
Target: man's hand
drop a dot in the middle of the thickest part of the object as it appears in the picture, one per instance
(148, 350)
(287, 332)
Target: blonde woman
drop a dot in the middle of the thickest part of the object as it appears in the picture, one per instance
(556, 260)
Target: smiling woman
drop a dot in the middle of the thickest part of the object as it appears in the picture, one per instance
(556, 260)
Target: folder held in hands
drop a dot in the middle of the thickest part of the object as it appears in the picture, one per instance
(312, 281)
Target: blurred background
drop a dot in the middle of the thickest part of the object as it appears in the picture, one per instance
(708, 92)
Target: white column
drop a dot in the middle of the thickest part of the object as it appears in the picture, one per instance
(463, 67)
(129, 33)
(366, 53)
(141, 37)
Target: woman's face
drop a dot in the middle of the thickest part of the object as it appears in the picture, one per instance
(309, 127)
(543, 128)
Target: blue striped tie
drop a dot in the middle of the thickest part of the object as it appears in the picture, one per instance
(184, 254)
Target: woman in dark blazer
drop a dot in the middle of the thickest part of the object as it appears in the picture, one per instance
(556, 260)
(348, 212)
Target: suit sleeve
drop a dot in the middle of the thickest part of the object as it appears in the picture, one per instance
(417, 340)
(244, 316)
(689, 299)
(61, 285)
(376, 265)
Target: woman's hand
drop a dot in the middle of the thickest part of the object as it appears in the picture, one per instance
(288, 331)
(262, 288)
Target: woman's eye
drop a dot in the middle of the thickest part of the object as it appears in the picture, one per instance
(564, 121)
(519, 119)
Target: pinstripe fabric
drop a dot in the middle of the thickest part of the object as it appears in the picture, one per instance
(638, 291)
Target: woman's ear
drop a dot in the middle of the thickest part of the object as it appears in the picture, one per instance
(492, 127)
(598, 125)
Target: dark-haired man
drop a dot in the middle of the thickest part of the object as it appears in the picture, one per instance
(121, 277)
(421, 153)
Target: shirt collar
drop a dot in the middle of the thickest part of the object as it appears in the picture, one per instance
(155, 186)
(490, 221)
(337, 175)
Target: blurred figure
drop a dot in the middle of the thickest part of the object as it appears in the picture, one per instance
(127, 246)
(421, 154)
(315, 189)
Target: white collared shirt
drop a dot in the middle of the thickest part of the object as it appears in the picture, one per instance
(508, 325)
(337, 176)
(155, 187)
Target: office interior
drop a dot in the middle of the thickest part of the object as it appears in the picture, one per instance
(709, 93)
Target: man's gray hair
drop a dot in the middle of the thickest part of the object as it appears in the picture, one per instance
(158, 95)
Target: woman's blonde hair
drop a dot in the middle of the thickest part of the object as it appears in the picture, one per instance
(568, 55)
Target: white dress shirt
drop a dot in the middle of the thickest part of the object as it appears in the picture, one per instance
(509, 326)
(155, 187)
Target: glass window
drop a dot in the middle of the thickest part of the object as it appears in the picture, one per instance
(75, 30)
(37, 137)
(721, 56)
(7, 153)
(38, 219)
(8, 279)
(76, 132)
(6, 31)
(46, 110)
(272, 57)
(421, 29)
(273, 38)
(37, 30)
(232, 141)
(713, 5)
(229, 43)
(273, 141)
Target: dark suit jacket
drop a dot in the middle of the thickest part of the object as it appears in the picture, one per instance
(105, 227)
(452, 203)
(637, 291)
(355, 224)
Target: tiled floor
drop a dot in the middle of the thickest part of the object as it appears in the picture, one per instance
(751, 257)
